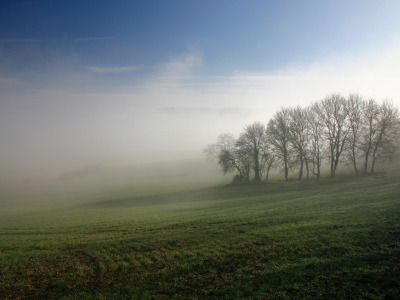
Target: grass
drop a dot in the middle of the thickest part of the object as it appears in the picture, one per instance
(327, 239)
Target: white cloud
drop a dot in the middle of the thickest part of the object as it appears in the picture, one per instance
(115, 69)
(181, 67)
(372, 74)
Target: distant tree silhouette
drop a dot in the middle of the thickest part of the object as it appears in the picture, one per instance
(318, 145)
(278, 138)
(356, 107)
(333, 111)
(252, 142)
(299, 138)
(351, 131)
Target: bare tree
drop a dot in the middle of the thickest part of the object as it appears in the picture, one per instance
(369, 131)
(303, 138)
(228, 162)
(278, 139)
(299, 137)
(245, 161)
(333, 112)
(386, 139)
(236, 160)
(317, 141)
(225, 141)
(268, 161)
(230, 157)
(253, 141)
(356, 107)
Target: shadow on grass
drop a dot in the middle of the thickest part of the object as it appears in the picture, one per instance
(231, 192)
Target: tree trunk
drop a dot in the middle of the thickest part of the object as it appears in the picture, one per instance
(308, 171)
(334, 168)
(301, 169)
(369, 146)
(355, 166)
(256, 168)
(286, 167)
(266, 177)
(376, 149)
(373, 163)
(372, 167)
(353, 157)
(366, 163)
(313, 168)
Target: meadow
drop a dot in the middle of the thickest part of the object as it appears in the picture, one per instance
(178, 231)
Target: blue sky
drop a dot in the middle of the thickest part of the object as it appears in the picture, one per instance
(254, 36)
(92, 81)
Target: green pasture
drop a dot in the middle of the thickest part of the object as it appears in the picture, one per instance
(188, 235)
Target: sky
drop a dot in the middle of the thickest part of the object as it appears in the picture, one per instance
(118, 82)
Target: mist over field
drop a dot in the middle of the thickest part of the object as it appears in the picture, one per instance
(93, 96)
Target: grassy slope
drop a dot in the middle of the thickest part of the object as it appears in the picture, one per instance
(336, 239)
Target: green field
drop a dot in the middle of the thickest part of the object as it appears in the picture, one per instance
(185, 235)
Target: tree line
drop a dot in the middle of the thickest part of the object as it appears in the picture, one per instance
(352, 131)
